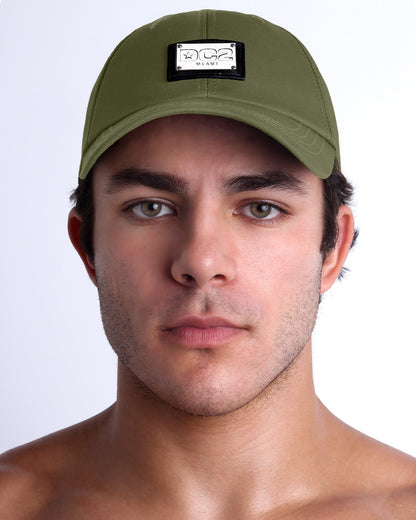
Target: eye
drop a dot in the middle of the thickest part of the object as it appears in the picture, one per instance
(261, 210)
(151, 208)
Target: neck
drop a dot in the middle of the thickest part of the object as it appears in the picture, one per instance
(273, 443)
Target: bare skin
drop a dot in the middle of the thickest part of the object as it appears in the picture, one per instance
(212, 420)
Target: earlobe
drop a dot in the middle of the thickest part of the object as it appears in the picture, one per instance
(74, 230)
(335, 259)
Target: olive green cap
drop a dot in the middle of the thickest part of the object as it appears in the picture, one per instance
(272, 83)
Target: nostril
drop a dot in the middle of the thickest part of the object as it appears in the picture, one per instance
(188, 278)
(193, 267)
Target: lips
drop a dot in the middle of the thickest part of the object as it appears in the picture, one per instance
(202, 332)
(202, 322)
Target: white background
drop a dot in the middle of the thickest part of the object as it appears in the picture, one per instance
(55, 365)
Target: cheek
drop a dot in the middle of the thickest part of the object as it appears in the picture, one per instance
(130, 258)
(284, 261)
(122, 242)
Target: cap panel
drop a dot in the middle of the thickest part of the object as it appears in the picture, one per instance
(135, 74)
(278, 73)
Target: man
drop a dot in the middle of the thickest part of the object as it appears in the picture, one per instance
(211, 214)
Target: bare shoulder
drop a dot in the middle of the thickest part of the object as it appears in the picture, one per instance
(23, 492)
(33, 476)
(403, 503)
(382, 478)
(371, 481)
(397, 476)
(385, 465)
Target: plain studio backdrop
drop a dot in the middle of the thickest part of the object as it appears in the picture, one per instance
(56, 366)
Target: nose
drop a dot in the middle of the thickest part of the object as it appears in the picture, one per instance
(203, 255)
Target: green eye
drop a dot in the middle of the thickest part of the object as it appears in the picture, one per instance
(151, 209)
(261, 210)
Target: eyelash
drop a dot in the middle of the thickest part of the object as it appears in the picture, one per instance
(140, 203)
(281, 212)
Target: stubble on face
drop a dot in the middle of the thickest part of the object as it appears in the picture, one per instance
(210, 390)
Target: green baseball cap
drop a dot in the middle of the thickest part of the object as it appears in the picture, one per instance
(218, 63)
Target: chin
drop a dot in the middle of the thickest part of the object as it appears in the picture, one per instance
(207, 409)
(212, 400)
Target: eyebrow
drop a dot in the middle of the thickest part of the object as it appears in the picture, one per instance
(130, 177)
(270, 179)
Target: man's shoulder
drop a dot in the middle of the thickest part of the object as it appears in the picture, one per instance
(25, 485)
(398, 471)
(391, 503)
(379, 479)
(386, 466)
(33, 476)
(403, 502)
(396, 496)
(372, 482)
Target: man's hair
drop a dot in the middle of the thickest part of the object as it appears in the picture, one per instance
(337, 192)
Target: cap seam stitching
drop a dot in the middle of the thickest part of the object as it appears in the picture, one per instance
(214, 34)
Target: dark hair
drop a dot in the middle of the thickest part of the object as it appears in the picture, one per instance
(337, 192)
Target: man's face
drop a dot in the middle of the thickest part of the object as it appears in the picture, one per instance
(207, 259)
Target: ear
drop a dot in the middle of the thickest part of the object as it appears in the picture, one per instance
(74, 228)
(335, 259)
